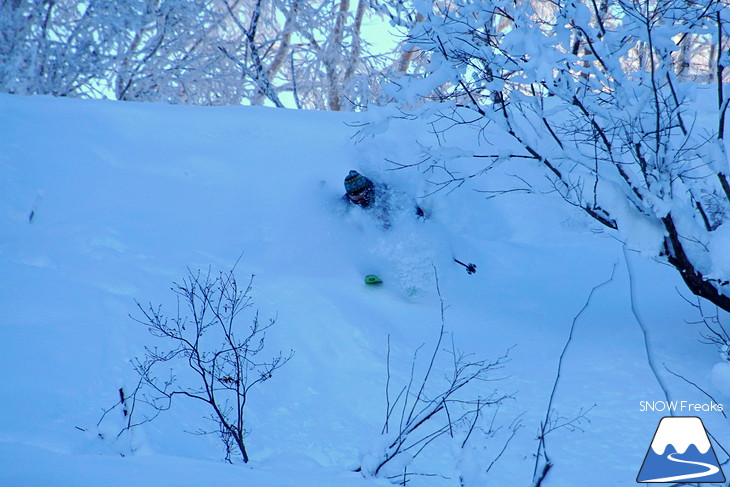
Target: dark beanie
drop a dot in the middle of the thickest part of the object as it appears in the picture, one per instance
(356, 182)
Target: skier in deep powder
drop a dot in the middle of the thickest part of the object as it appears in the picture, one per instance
(361, 191)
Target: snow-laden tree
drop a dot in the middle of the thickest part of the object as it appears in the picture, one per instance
(148, 50)
(205, 52)
(166, 53)
(601, 95)
(313, 53)
(53, 47)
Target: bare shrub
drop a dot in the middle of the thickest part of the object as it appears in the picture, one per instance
(205, 354)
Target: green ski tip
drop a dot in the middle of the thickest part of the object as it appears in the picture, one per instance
(372, 279)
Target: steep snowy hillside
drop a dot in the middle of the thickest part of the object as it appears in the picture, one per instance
(105, 204)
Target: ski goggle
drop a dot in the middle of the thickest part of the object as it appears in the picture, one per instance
(359, 196)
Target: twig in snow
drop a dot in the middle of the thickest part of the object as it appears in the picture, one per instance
(542, 460)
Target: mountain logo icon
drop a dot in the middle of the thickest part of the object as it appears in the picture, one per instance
(680, 452)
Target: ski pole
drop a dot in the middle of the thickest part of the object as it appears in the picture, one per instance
(470, 268)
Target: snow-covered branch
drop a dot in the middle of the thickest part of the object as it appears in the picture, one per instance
(592, 93)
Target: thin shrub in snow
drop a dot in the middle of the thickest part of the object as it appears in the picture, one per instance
(553, 421)
(431, 406)
(207, 354)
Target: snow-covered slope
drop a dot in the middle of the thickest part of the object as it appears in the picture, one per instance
(103, 204)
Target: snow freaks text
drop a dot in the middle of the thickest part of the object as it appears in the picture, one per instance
(680, 407)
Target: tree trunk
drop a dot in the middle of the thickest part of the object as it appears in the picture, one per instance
(695, 281)
(333, 65)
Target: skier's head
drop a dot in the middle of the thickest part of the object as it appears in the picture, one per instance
(359, 188)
